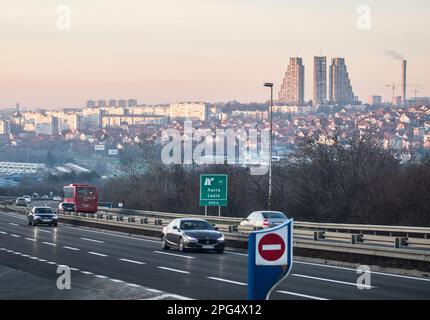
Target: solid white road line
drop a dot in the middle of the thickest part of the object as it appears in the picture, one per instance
(86, 272)
(13, 224)
(71, 248)
(174, 255)
(92, 240)
(174, 270)
(97, 254)
(2, 232)
(132, 261)
(116, 280)
(228, 281)
(15, 235)
(30, 239)
(49, 243)
(133, 285)
(51, 262)
(331, 280)
(100, 276)
(301, 295)
(74, 269)
(153, 290)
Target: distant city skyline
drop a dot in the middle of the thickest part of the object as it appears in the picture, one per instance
(167, 51)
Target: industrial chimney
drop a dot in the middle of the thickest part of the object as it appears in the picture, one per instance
(404, 65)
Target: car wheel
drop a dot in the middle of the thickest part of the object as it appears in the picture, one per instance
(55, 224)
(29, 223)
(181, 245)
(221, 251)
(164, 245)
(34, 223)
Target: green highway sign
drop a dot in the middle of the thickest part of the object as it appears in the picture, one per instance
(213, 190)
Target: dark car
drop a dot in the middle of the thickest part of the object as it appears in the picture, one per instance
(192, 234)
(42, 215)
(66, 207)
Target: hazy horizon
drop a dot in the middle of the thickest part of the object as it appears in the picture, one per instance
(213, 50)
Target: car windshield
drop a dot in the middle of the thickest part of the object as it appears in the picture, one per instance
(274, 215)
(196, 225)
(68, 205)
(43, 210)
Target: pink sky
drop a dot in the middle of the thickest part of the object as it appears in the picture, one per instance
(211, 50)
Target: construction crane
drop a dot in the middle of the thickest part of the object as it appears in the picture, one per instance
(394, 85)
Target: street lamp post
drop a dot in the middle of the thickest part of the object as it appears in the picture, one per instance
(269, 201)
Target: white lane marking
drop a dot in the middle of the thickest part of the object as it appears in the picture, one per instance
(30, 239)
(168, 295)
(41, 230)
(301, 295)
(111, 234)
(174, 255)
(97, 254)
(74, 269)
(25, 255)
(132, 261)
(355, 270)
(71, 248)
(153, 290)
(330, 280)
(49, 243)
(2, 232)
(270, 247)
(51, 262)
(92, 240)
(228, 281)
(86, 272)
(237, 253)
(43, 260)
(17, 253)
(13, 224)
(100, 276)
(174, 270)
(15, 235)
(133, 285)
(116, 280)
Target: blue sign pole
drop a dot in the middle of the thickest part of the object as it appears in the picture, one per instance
(265, 275)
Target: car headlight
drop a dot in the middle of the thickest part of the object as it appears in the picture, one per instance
(189, 238)
(55, 217)
(221, 238)
(36, 217)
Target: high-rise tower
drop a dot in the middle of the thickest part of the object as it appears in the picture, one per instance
(293, 85)
(340, 90)
(320, 80)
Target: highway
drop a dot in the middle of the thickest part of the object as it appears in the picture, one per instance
(115, 266)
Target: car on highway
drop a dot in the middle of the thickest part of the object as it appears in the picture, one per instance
(21, 202)
(42, 215)
(56, 198)
(66, 207)
(45, 197)
(192, 233)
(264, 219)
(27, 198)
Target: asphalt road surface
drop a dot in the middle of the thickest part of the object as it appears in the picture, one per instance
(114, 266)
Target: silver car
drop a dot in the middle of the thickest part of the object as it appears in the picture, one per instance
(42, 215)
(264, 219)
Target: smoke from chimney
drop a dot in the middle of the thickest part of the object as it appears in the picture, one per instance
(395, 55)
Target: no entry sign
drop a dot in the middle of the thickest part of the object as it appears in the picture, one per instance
(271, 248)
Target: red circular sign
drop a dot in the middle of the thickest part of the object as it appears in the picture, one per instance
(271, 247)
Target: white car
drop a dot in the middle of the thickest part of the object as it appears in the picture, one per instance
(57, 198)
(27, 198)
(264, 219)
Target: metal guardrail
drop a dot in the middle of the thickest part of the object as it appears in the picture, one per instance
(411, 243)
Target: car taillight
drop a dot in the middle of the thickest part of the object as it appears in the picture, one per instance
(265, 222)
